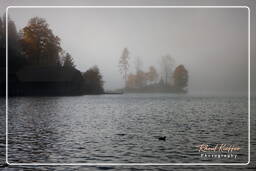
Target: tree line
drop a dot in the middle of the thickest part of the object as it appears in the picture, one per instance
(37, 60)
(169, 79)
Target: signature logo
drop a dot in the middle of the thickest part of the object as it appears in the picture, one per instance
(218, 151)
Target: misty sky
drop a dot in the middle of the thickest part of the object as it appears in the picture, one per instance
(211, 43)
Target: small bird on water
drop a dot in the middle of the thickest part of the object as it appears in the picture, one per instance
(162, 138)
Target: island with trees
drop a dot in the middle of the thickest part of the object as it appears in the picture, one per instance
(169, 80)
(39, 66)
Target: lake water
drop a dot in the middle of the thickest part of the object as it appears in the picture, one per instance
(124, 128)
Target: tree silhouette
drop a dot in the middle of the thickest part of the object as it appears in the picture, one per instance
(13, 38)
(124, 64)
(2, 59)
(93, 81)
(15, 58)
(68, 61)
(39, 44)
(2, 44)
(1, 26)
(180, 77)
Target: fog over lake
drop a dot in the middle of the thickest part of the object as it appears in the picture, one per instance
(59, 110)
(211, 43)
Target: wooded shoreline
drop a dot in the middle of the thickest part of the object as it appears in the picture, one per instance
(38, 66)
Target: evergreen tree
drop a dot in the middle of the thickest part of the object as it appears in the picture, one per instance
(68, 61)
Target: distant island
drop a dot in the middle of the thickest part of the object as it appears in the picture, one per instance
(38, 66)
(170, 79)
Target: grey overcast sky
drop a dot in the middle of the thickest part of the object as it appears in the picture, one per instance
(211, 43)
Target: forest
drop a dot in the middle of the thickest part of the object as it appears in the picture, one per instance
(38, 65)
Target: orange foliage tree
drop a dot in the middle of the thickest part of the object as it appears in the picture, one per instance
(39, 44)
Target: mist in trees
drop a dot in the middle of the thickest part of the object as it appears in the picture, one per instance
(152, 74)
(167, 65)
(124, 64)
(167, 79)
(15, 58)
(35, 51)
(180, 77)
(37, 64)
(142, 78)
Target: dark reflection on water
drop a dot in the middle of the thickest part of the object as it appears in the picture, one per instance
(123, 128)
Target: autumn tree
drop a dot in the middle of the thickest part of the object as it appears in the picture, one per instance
(180, 77)
(167, 64)
(131, 81)
(152, 74)
(39, 44)
(140, 75)
(68, 61)
(124, 63)
(141, 79)
(93, 81)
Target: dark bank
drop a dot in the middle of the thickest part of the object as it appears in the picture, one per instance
(37, 64)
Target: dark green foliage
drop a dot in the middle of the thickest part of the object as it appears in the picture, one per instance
(53, 80)
(93, 81)
(68, 61)
(15, 58)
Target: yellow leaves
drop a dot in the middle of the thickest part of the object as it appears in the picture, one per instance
(39, 43)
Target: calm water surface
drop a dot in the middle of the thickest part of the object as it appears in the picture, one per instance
(124, 128)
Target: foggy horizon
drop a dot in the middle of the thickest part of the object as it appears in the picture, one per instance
(132, 82)
(211, 43)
